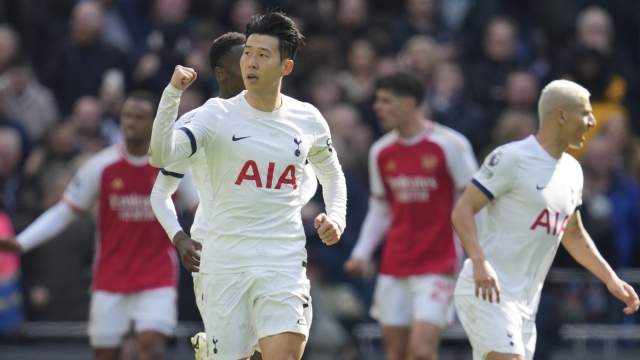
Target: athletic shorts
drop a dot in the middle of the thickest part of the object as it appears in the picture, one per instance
(401, 301)
(197, 291)
(495, 327)
(241, 308)
(111, 315)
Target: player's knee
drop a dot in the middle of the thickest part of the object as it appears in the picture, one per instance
(151, 347)
(423, 353)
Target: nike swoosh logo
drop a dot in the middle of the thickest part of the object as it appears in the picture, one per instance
(540, 187)
(234, 138)
(299, 322)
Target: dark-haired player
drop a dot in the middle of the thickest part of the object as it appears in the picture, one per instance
(224, 59)
(416, 172)
(135, 268)
(253, 277)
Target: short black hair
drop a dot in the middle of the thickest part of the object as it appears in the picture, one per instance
(278, 25)
(221, 47)
(147, 96)
(402, 84)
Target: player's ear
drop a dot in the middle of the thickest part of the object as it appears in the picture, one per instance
(288, 67)
(220, 73)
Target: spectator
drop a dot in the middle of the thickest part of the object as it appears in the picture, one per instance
(78, 67)
(94, 131)
(522, 90)
(421, 55)
(451, 106)
(115, 31)
(488, 75)
(11, 311)
(10, 182)
(512, 125)
(608, 90)
(167, 43)
(626, 144)
(324, 90)
(27, 101)
(624, 194)
(360, 77)
(9, 46)
(422, 18)
(241, 13)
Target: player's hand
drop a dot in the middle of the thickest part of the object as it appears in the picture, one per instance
(183, 77)
(486, 281)
(327, 229)
(626, 293)
(10, 245)
(189, 250)
(357, 267)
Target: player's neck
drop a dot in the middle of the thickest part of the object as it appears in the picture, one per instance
(412, 128)
(267, 101)
(137, 149)
(551, 143)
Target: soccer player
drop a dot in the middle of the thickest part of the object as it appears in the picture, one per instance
(416, 172)
(135, 270)
(224, 59)
(254, 288)
(533, 191)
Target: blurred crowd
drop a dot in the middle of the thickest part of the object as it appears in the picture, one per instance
(66, 65)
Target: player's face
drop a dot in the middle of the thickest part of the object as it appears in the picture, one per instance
(260, 63)
(231, 65)
(136, 120)
(578, 121)
(390, 109)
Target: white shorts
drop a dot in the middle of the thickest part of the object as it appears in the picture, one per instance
(241, 308)
(197, 291)
(401, 301)
(495, 327)
(111, 315)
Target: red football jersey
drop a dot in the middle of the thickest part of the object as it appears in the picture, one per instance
(419, 178)
(133, 252)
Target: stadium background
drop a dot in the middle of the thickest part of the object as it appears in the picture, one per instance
(65, 69)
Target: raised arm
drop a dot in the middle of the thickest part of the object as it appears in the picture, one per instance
(581, 247)
(169, 145)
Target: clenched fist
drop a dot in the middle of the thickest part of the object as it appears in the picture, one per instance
(327, 229)
(183, 77)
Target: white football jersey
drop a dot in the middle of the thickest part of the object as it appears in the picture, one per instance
(532, 197)
(255, 162)
(197, 164)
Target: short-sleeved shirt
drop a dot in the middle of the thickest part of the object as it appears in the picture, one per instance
(133, 252)
(532, 197)
(419, 178)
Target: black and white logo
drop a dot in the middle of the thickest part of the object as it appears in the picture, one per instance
(297, 142)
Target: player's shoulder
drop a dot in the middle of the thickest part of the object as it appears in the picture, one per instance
(302, 109)
(449, 137)
(103, 159)
(384, 142)
(509, 154)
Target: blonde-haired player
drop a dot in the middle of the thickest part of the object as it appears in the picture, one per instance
(532, 190)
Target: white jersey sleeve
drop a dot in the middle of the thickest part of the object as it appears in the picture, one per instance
(309, 184)
(81, 194)
(162, 204)
(187, 192)
(324, 160)
(461, 162)
(498, 173)
(376, 185)
(168, 145)
(375, 226)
